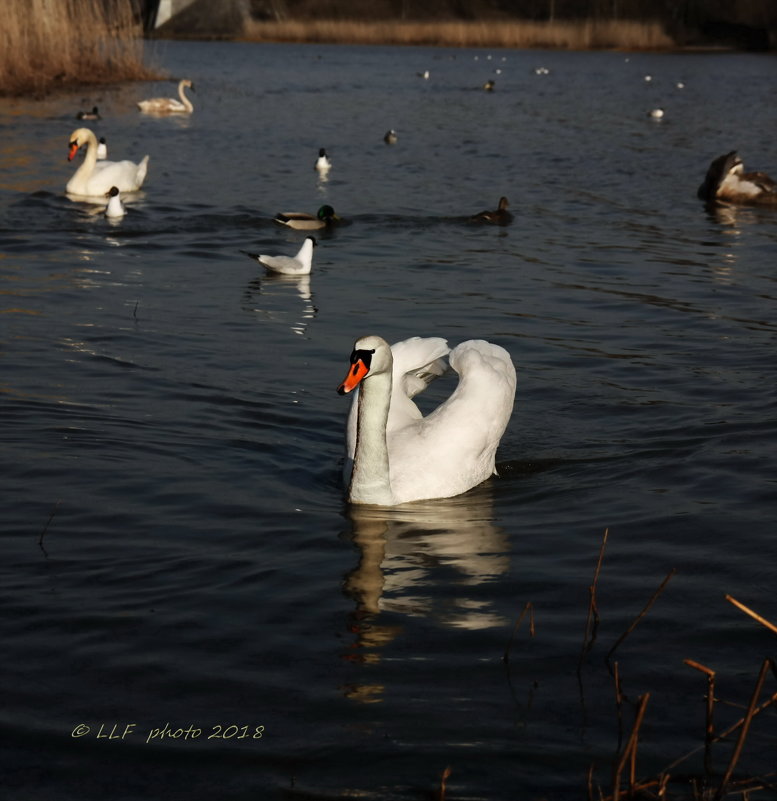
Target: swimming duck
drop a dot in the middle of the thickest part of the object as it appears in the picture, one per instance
(115, 208)
(94, 179)
(289, 265)
(102, 149)
(727, 181)
(94, 114)
(323, 164)
(500, 216)
(396, 455)
(390, 137)
(325, 217)
(656, 114)
(489, 86)
(169, 105)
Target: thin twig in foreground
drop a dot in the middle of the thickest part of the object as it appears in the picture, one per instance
(722, 736)
(616, 677)
(630, 751)
(592, 620)
(443, 780)
(46, 527)
(641, 614)
(709, 729)
(529, 607)
(744, 730)
(762, 620)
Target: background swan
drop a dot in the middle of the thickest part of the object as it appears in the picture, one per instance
(95, 178)
(289, 265)
(169, 105)
(394, 453)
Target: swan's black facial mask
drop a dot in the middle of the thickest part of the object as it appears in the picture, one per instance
(360, 366)
(364, 356)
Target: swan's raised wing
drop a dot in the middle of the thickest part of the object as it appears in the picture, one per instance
(453, 449)
(417, 362)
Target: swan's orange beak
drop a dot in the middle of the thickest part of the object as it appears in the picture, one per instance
(73, 150)
(357, 372)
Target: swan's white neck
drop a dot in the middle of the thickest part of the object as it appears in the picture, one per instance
(185, 100)
(370, 482)
(81, 175)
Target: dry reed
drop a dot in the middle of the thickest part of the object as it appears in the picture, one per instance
(567, 35)
(657, 787)
(46, 45)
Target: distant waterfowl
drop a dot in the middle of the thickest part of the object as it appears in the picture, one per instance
(680, 85)
(656, 113)
(500, 215)
(324, 218)
(424, 75)
(102, 149)
(648, 78)
(390, 137)
(323, 164)
(394, 454)
(541, 71)
(727, 181)
(169, 105)
(299, 264)
(94, 114)
(94, 178)
(115, 208)
(489, 86)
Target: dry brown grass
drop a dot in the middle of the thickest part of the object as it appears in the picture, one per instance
(46, 45)
(573, 35)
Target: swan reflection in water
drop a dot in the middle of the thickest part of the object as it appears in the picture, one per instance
(413, 558)
(277, 286)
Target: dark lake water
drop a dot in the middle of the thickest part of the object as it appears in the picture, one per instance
(176, 547)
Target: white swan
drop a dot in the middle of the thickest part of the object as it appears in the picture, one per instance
(394, 454)
(115, 208)
(93, 179)
(289, 265)
(169, 105)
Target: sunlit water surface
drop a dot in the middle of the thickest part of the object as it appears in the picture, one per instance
(177, 549)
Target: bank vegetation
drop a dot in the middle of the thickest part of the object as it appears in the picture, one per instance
(47, 45)
(570, 35)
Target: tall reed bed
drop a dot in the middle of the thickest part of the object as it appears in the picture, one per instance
(568, 35)
(46, 44)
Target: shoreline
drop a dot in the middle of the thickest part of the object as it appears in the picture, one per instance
(557, 35)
